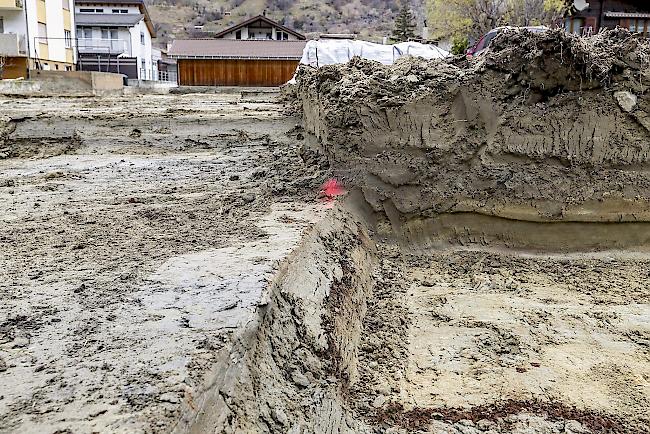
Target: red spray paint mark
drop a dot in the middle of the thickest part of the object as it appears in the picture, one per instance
(330, 190)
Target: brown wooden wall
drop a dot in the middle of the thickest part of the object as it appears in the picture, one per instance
(15, 67)
(203, 72)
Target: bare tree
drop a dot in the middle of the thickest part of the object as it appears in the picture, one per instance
(473, 18)
(533, 12)
(486, 15)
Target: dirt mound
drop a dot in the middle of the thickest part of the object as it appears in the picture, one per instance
(540, 144)
(543, 128)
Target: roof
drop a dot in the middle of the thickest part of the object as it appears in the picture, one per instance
(264, 19)
(117, 20)
(139, 3)
(236, 49)
(627, 15)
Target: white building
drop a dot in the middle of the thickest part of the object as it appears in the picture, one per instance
(115, 36)
(36, 34)
(260, 28)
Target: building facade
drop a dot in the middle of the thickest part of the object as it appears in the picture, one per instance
(116, 36)
(260, 28)
(588, 17)
(36, 34)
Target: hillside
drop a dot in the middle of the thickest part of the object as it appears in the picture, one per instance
(370, 19)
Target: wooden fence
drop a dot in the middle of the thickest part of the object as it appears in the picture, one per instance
(235, 72)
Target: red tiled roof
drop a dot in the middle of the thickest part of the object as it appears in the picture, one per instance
(235, 49)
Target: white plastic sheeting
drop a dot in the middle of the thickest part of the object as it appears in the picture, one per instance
(331, 51)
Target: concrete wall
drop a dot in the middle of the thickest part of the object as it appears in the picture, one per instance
(136, 87)
(65, 83)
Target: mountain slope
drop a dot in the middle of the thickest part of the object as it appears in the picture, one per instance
(370, 19)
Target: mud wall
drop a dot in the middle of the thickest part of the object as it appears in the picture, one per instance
(545, 128)
(288, 371)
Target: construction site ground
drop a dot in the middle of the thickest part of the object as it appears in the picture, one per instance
(432, 246)
(136, 234)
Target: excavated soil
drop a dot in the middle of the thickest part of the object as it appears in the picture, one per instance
(136, 237)
(487, 272)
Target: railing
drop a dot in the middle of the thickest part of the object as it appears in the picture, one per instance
(167, 76)
(94, 45)
(155, 75)
(11, 4)
(12, 44)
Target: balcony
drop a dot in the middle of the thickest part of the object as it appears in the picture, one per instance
(102, 46)
(11, 5)
(12, 45)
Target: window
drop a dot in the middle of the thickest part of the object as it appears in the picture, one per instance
(120, 11)
(142, 38)
(67, 34)
(238, 34)
(87, 32)
(269, 36)
(124, 11)
(42, 33)
(90, 11)
(66, 4)
(639, 25)
(56, 66)
(281, 36)
(574, 25)
(109, 33)
(2, 25)
(68, 68)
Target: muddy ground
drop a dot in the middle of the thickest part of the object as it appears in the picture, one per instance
(168, 266)
(136, 236)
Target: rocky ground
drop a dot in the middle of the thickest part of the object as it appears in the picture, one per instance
(135, 238)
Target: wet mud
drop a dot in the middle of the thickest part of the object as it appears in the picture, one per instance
(487, 271)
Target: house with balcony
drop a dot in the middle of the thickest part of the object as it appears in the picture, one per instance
(587, 17)
(260, 28)
(116, 36)
(36, 34)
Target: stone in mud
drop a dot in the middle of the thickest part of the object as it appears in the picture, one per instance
(626, 100)
(170, 397)
(300, 379)
(379, 401)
